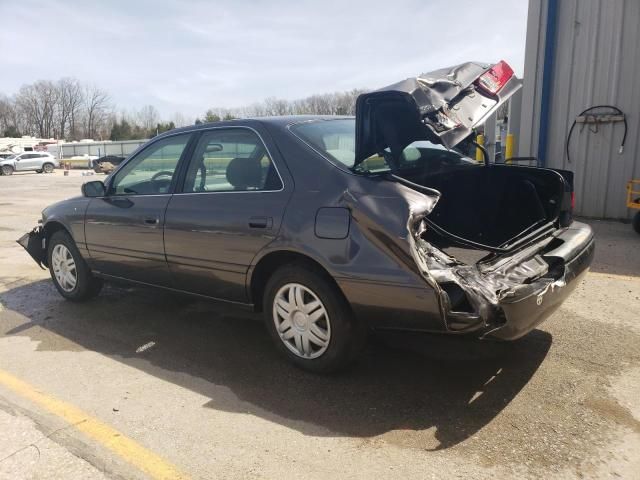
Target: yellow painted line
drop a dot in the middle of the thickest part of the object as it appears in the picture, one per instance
(615, 276)
(131, 451)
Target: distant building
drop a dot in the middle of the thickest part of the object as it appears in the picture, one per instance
(94, 149)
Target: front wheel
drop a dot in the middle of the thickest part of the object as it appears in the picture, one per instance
(310, 321)
(7, 170)
(69, 272)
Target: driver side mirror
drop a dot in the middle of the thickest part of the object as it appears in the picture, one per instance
(94, 188)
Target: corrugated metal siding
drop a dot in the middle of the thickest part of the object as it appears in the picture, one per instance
(597, 61)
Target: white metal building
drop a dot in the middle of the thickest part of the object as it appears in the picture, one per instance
(582, 53)
(122, 148)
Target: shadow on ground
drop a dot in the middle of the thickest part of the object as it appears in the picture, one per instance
(408, 381)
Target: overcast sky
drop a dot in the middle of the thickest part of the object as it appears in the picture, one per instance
(189, 55)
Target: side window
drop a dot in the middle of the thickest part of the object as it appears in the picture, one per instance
(27, 156)
(150, 172)
(231, 160)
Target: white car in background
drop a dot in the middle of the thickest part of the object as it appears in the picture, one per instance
(28, 161)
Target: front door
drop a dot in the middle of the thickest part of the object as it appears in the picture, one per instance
(230, 207)
(123, 229)
(28, 161)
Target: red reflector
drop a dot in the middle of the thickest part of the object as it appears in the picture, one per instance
(495, 78)
(573, 201)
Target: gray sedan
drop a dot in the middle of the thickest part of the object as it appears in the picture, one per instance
(332, 226)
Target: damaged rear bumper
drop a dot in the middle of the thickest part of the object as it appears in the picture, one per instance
(535, 302)
(508, 296)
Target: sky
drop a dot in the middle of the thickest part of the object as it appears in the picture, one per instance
(189, 55)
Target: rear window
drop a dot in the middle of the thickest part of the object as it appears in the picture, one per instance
(336, 140)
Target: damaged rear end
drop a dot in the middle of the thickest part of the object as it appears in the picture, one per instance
(499, 246)
(505, 295)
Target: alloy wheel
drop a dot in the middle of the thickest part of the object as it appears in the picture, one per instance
(301, 320)
(64, 268)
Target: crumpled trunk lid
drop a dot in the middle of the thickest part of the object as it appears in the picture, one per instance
(442, 106)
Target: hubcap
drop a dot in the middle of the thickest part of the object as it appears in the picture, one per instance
(301, 321)
(48, 168)
(64, 268)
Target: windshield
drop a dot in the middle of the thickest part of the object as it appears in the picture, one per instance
(336, 140)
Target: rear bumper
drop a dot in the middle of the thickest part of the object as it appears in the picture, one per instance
(534, 303)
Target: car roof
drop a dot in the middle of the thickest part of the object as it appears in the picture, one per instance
(278, 121)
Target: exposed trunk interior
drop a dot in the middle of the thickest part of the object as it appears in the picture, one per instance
(493, 204)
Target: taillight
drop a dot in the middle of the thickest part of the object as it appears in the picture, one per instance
(495, 78)
(573, 201)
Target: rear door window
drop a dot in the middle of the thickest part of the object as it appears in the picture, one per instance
(231, 160)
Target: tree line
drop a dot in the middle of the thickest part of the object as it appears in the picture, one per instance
(66, 108)
(72, 110)
(336, 103)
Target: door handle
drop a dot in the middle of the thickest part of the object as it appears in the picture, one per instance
(261, 222)
(152, 221)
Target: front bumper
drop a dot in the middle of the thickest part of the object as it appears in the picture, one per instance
(535, 302)
(34, 243)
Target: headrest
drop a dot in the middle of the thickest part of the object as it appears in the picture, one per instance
(244, 173)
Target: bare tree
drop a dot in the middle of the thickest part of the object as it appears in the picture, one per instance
(38, 104)
(70, 100)
(179, 120)
(6, 107)
(97, 107)
(148, 118)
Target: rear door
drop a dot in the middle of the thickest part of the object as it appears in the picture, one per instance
(123, 229)
(230, 207)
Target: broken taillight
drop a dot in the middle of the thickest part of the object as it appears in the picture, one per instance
(495, 78)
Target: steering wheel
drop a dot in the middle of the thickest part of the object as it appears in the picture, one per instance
(165, 173)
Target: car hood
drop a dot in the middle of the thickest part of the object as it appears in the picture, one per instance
(442, 106)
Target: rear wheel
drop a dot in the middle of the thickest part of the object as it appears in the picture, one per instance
(310, 321)
(7, 170)
(47, 167)
(636, 222)
(69, 272)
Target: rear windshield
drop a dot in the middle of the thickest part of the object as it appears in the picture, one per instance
(336, 140)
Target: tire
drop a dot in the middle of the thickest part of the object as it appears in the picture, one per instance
(48, 168)
(38, 171)
(636, 222)
(323, 339)
(7, 170)
(61, 249)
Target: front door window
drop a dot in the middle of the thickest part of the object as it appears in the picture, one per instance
(151, 171)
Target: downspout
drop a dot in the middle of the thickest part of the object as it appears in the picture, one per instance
(547, 78)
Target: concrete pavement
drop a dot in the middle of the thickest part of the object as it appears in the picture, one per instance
(201, 387)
